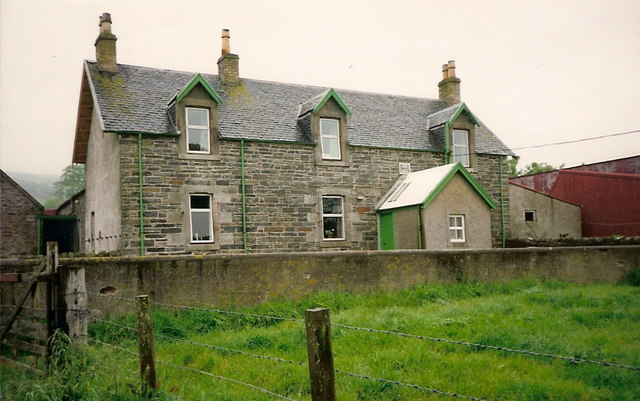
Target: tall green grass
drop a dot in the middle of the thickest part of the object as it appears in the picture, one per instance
(600, 322)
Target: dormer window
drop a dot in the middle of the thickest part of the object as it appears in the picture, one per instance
(198, 130)
(330, 138)
(323, 120)
(461, 147)
(194, 114)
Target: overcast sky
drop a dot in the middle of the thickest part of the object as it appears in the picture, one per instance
(535, 72)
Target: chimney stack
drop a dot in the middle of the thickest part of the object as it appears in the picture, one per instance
(106, 46)
(228, 62)
(450, 84)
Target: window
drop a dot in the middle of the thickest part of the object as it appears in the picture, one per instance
(330, 138)
(461, 147)
(394, 197)
(332, 218)
(529, 215)
(201, 218)
(456, 228)
(198, 130)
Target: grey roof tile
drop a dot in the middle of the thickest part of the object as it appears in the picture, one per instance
(135, 99)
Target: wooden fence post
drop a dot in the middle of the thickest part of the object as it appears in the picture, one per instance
(50, 297)
(321, 372)
(72, 299)
(145, 345)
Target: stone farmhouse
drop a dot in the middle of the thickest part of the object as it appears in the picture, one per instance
(186, 162)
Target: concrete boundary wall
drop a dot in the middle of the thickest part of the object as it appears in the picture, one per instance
(224, 280)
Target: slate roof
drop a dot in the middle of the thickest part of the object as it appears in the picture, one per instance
(136, 99)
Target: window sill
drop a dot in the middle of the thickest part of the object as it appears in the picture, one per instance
(337, 243)
(334, 163)
(199, 156)
(202, 246)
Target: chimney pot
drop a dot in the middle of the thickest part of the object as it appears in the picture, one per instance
(226, 49)
(228, 63)
(105, 22)
(449, 87)
(451, 67)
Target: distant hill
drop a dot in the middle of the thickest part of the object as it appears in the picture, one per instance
(40, 186)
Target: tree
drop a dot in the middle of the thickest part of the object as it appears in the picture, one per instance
(512, 171)
(70, 183)
(533, 168)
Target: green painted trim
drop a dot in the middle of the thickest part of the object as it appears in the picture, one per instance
(244, 198)
(461, 108)
(125, 132)
(266, 141)
(458, 168)
(332, 94)
(398, 209)
(420, 231)
(502, 225)
(394, 148)
(447, 145)
(140, 194)
(314, 144)
(198, 79)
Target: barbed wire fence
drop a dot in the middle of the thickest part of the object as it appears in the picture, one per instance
(324, 326)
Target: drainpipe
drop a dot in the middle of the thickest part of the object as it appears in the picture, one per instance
(140, 194)
(447, 146)
(502, 205)
(244, 198)
(420, 228)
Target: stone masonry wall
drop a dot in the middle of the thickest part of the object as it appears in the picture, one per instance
(487, 172)
(222, 280)
(18, 221)
(283, 189)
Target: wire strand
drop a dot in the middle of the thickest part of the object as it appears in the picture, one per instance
(493, 347)
(414, 386)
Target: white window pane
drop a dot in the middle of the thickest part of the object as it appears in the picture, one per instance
(201, 226)
(332, 227)
(198, 117)
(456, 228)
(461, 154)
(331, 205)
(460, 137)
(198, 139)
(330, 148)
(329, 127)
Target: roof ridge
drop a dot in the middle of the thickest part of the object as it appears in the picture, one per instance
(323, 88)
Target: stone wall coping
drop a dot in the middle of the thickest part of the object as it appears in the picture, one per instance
(7, 263)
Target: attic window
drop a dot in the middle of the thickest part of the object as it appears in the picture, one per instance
(461, 147)
(330, 138)
(198, 130)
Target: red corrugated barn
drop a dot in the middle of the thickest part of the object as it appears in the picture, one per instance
(609, 193)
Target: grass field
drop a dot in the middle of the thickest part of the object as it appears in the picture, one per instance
(596, 322)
